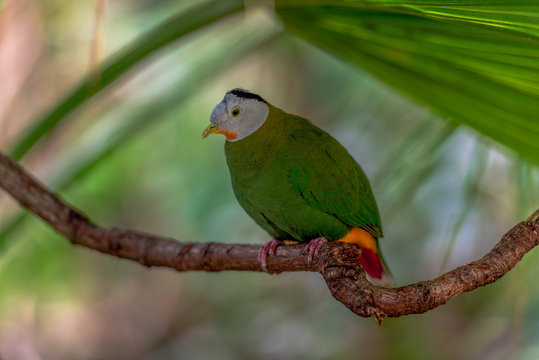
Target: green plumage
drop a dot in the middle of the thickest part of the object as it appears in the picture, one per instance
(298, 183)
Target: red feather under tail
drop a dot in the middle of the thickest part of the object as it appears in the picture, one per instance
(375, 269)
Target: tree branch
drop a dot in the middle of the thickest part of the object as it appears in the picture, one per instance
(337, 262)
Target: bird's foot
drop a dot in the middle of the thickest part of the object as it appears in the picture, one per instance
(267, 249)
(314, 247)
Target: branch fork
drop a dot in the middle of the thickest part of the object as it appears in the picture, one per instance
(338, 263)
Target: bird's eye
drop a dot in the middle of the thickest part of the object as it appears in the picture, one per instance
(235, 112)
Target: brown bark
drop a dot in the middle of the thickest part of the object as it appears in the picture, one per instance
(337, 262)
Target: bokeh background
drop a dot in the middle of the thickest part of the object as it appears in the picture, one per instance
(133, 157)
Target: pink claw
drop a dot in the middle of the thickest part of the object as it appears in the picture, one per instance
(267, 249)
(314, 247)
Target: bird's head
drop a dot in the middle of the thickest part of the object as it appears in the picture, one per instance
(239, 115)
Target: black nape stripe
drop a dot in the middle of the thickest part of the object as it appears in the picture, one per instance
(246, 94)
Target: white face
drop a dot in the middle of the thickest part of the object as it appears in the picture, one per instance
(238, 117)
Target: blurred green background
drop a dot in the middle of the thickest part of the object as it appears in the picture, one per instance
(438, 105)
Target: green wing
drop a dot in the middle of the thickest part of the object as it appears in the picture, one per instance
(329, 179)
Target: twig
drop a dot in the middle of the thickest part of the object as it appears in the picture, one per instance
(337, 262)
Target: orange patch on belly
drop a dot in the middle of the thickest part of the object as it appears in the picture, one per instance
(360, 237)
(369, 259)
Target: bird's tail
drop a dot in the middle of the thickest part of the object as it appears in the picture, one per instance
(371, 258)
(376, 267)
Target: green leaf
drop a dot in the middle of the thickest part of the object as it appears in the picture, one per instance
(169, 31)
(476, 62)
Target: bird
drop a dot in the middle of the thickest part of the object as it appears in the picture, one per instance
(297, 182)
